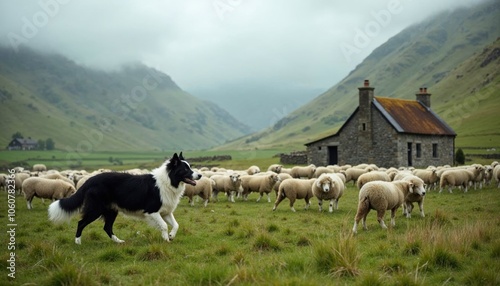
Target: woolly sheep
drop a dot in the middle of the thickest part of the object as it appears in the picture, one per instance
(413, 197)
(372, 176)
(328, 187)
(286, 171)
(18, 181)
(261, 184)
(496, 175)
(322, 170)
(203, 189)
(275, 168)
(58, 176)
(252, 170)
(46, 188)
(352, 174)
(401, 175)
(459, 177)
(282, 176)
(294, 189)
(488, 174)
(429, 176)
(382, 196)
(227, 183)
(303, 172)
(3, 181)
(39, 168)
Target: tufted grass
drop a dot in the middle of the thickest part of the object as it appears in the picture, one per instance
(246, 243)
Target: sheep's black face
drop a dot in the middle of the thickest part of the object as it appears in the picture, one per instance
(179, 170)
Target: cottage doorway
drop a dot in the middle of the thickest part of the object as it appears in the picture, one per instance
(410, 162)
(333, 156)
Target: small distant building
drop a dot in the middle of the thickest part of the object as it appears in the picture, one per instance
(23, 144)
(388, 132)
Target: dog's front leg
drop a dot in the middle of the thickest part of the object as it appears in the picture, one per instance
(175, 226)
(161, 224)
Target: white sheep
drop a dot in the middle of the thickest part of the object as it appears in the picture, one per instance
(383, 196)
(262, 184)
(3, 181)
(459, 177)
(496, 174)
(39, 168)
(413, 197)
(294, 189)
(429, 176)
(275, 168)
(303, 172)
(328, 187)
(488, 174)
(58, 176)
(352, 174)
(252, 170)
(286, 171)
(401, 175)
(46, 188)
(372, 176)
(227, 183)
(203, 189)
(322, 170)
(282, 176)
(18, 181)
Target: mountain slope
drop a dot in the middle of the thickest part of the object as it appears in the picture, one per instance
(83, 110)
(421, 55)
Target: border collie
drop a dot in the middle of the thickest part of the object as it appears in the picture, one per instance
(152, 197)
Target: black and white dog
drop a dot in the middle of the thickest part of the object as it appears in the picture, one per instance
(152, 197)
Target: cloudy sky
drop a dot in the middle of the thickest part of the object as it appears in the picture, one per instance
(209, 44)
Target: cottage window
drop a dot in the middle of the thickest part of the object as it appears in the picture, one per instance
(319, 148)
(419, 150)
(434, 150)
(364, 126)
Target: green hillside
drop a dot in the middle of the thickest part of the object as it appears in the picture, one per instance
(442, 53)
(84, 110)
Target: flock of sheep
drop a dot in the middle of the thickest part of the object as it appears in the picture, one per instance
(380, 189)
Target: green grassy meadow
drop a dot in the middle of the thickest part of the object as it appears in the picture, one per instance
(246, 243)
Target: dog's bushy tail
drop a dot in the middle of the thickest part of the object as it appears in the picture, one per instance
(63, 209)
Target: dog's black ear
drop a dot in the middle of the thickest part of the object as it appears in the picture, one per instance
(180, 156)
(175, 158)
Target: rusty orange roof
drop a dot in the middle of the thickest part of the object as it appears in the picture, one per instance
(411, 116)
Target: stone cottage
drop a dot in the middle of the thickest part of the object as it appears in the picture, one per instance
(388, 132)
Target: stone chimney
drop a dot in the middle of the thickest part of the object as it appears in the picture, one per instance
(424, 97)
(365, 134)
(365, 102)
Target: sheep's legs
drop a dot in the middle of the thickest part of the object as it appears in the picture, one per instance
(393, 216)
(292, 201)
(320, 205)
(279, 198)
(308, 203)
(330, 209)
(109, 218)
(421, 207)
(380, 218)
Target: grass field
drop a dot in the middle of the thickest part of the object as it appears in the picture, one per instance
(246, 243)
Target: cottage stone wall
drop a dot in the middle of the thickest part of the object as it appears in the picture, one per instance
(388, 148)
